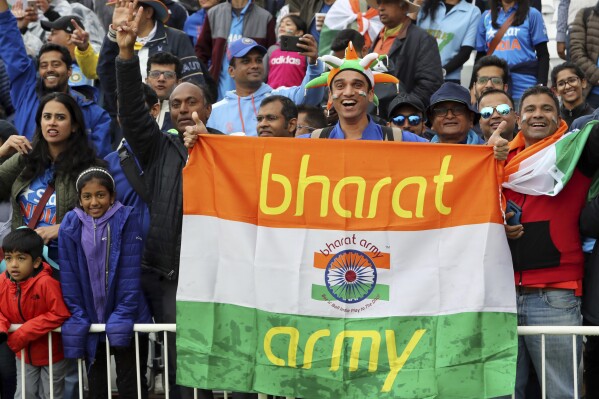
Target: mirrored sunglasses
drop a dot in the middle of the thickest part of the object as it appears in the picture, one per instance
(502, 109)
(413, 120)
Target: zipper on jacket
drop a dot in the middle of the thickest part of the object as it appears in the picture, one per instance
(23, 318)
(107, 253)
(94, 223)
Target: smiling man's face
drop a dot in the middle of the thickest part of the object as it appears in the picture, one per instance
(351, 94)
(539, 118)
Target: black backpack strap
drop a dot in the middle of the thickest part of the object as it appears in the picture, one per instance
(133, 174)
(391, 134)
(323, 133)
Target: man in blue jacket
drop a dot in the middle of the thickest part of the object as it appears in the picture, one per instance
(237, 112)
(54, 71)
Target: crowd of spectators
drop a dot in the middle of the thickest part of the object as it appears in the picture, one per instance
(100, 101)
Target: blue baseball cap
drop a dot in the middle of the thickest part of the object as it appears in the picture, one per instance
(241, 47)
(450, 91)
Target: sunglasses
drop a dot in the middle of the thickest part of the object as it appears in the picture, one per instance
(502, 109)
(413, 120)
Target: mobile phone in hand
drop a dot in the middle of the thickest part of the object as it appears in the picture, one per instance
(513, 207)
(32, 4)
(289, 43)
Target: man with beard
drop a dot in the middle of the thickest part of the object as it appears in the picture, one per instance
(54, 68)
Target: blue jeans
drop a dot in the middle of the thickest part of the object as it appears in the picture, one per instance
(548, 307)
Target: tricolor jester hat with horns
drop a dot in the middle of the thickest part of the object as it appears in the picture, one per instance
(352, 62)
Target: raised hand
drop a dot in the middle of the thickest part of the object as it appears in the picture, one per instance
(500, 145)
(309, 46)
(125, 21)
(79, 37)
(17, 10)
(191, 133)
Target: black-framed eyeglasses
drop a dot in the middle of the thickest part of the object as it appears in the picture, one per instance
(572, 81)
(413, 119)
(269, 118)
(167, 74)
(308, 128)
(496, 80)
(456, 110)
(502, 109)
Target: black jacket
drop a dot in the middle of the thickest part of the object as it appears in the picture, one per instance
(570, 115)
(589, 227)
(165, 39)
(162, 156)
(414, 59)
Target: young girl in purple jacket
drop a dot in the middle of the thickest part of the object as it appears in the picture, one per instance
(100, 247)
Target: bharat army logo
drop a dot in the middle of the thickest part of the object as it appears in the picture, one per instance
(350, 276)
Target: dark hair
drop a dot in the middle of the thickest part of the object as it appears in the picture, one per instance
(429, 7)
(495, 91)
(566, 65)
(490, 60)
(344, 37)
(289, 110)
(164, 58)
(299, 23)
(314, 116)
(24, 240)
(100, 174)
(519, 18)
(65, 56)
(78, 154)
(150, 96)
(537, 90)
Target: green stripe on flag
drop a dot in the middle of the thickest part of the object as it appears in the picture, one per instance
(466, 355)
(569, 149)
(321, 293)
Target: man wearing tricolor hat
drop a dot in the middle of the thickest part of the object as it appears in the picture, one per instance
(351, 89)
(548, 176)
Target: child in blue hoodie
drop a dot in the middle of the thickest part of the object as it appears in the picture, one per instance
(100, 247)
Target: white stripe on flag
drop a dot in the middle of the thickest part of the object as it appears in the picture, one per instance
(260, 267)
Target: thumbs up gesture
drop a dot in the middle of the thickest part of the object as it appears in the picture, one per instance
(500, 145)
(191, 133)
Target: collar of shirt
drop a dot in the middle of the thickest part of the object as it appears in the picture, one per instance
(142, 41)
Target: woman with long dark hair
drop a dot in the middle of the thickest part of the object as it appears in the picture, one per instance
(523, 46)
(60, 151)
(454, 24)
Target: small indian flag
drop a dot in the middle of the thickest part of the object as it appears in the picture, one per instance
(344, 269)
(545, 169)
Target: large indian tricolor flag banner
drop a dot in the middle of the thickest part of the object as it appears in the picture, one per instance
(344, 269)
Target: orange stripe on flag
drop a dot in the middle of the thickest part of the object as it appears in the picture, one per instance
(341, 185)
(382, 260)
